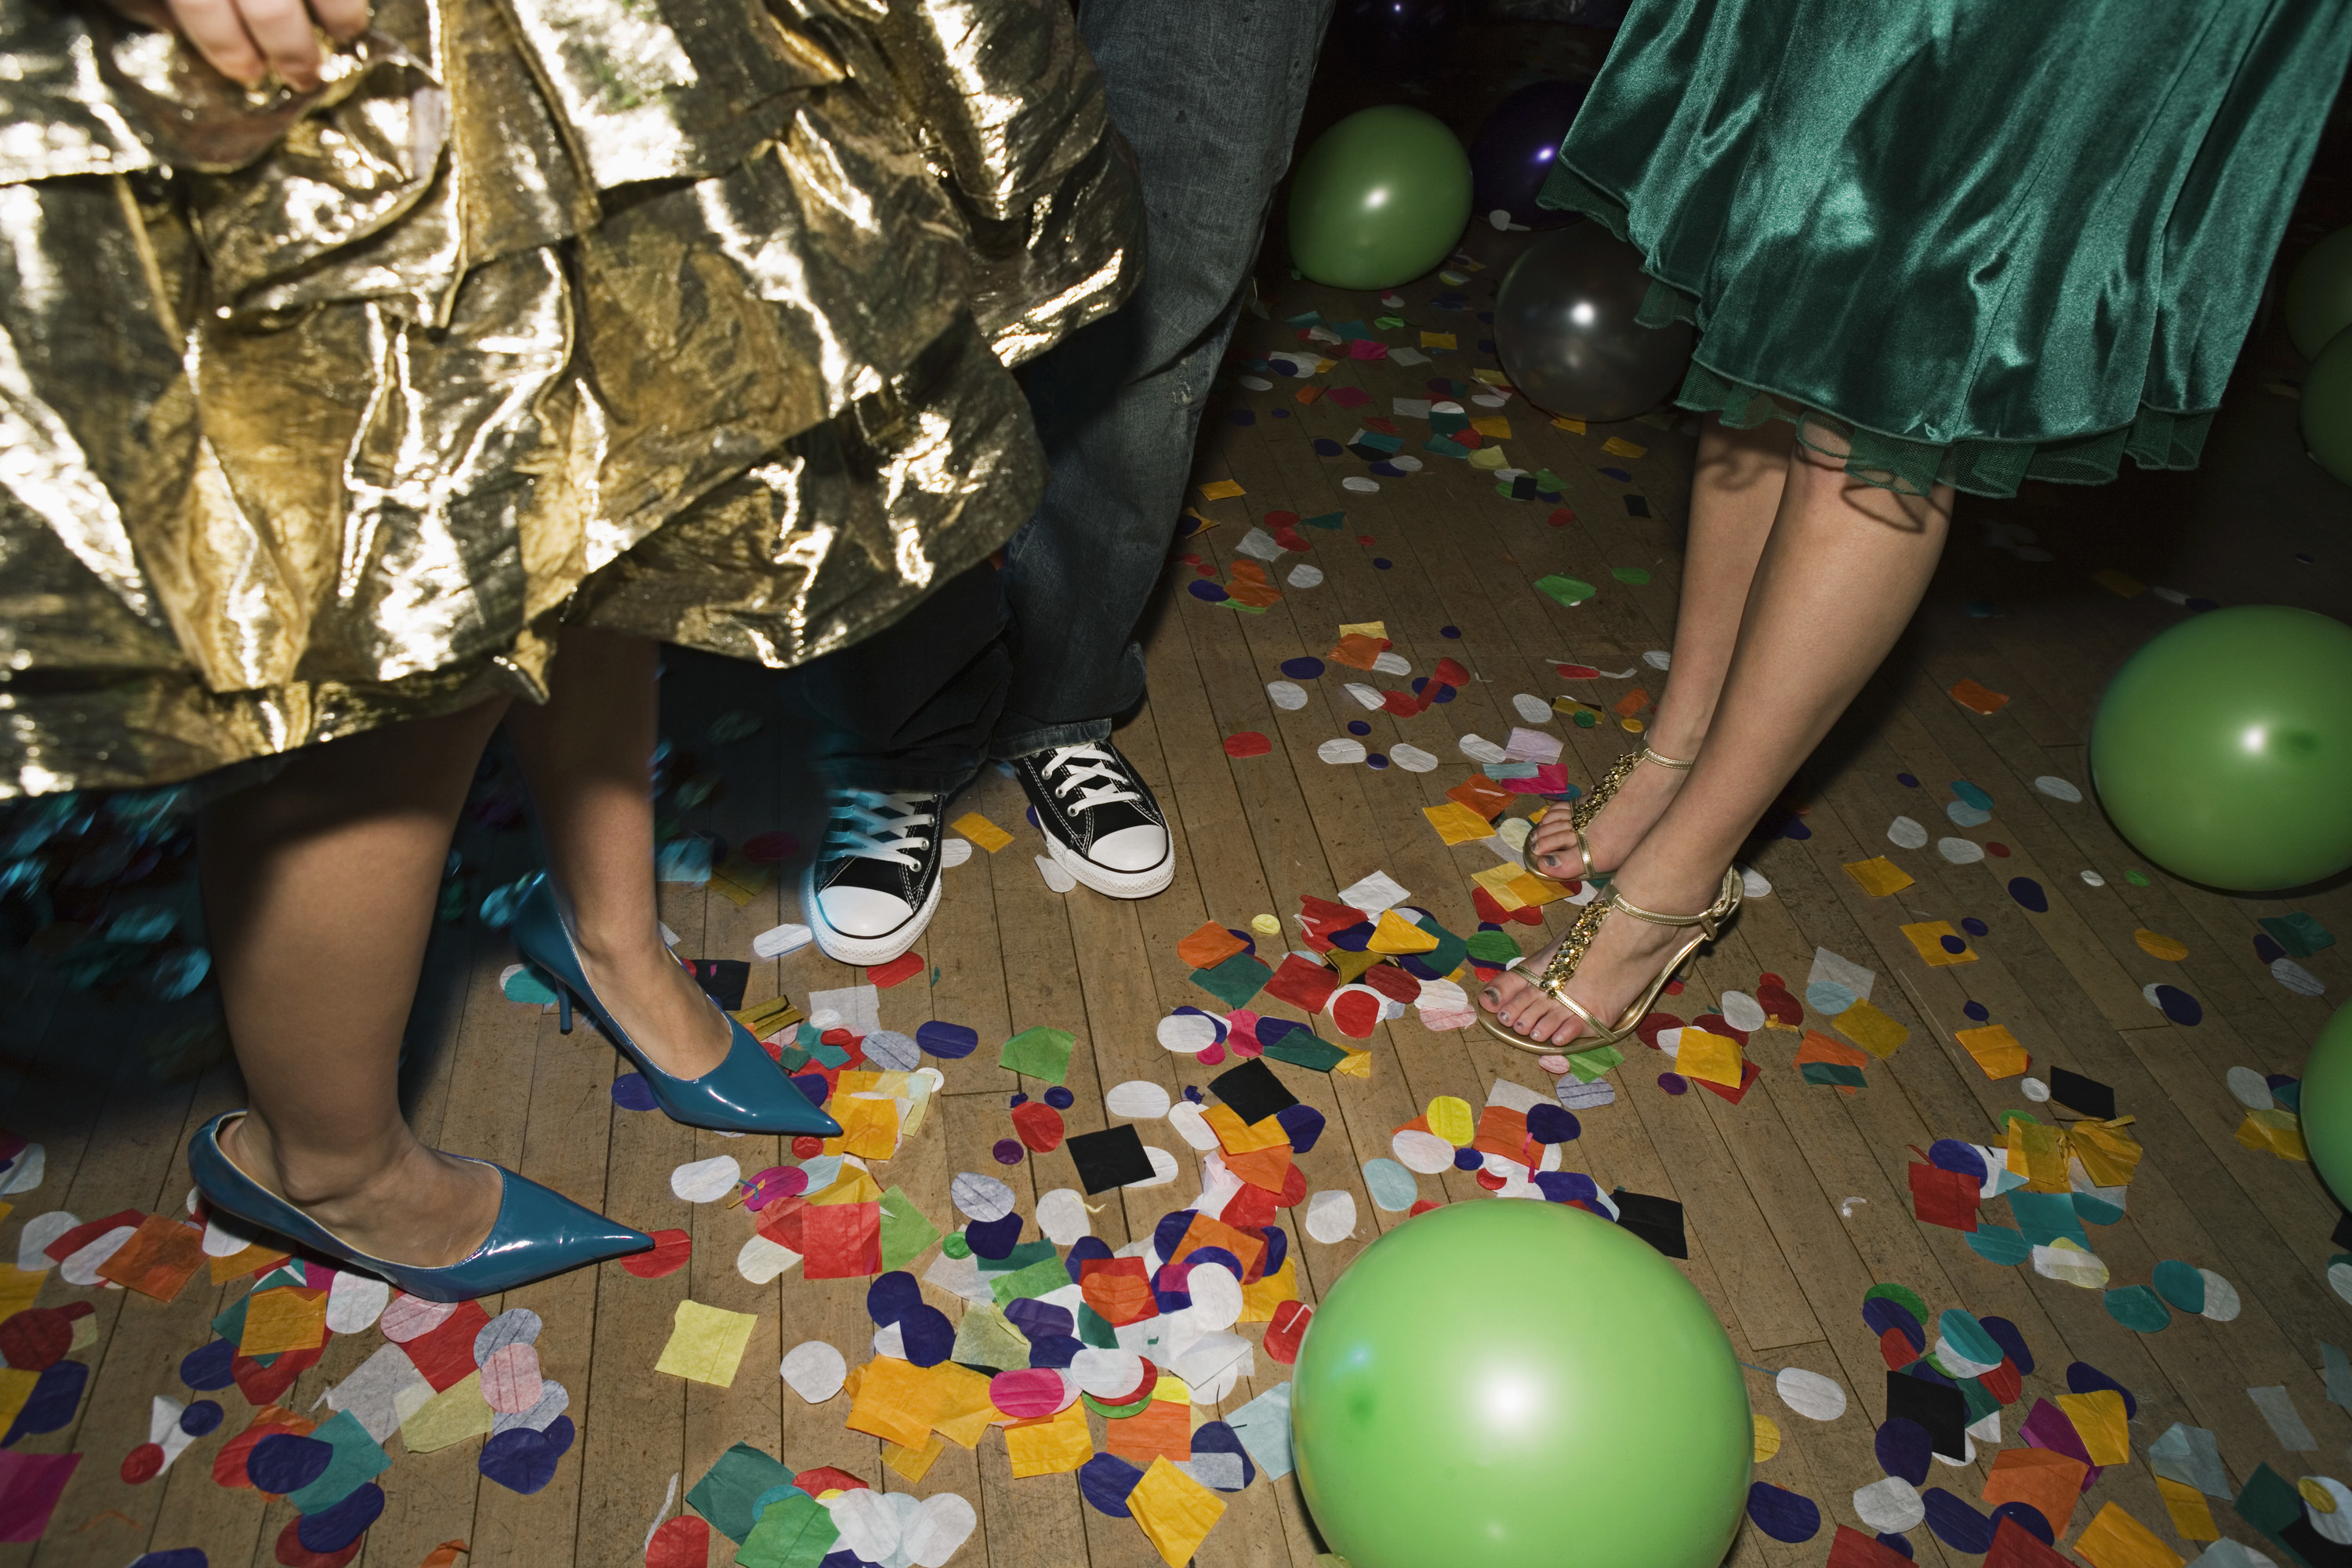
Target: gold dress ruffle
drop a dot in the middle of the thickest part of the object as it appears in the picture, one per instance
(691, 318)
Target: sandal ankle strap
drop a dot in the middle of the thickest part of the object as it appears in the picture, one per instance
(1680, 765)
(1708, 919)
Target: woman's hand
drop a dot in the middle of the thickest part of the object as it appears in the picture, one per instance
(251, 40)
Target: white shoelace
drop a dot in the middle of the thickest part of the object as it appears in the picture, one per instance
(871, 826)
(1097, 764)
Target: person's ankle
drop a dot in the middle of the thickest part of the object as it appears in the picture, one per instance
(316, 1177)
(1672, 735)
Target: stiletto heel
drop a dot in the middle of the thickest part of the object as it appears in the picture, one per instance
(748, 1092)
(538, 1232)
(1706, 925)
(1582, 813)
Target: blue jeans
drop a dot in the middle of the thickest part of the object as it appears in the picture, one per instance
(1208, 92)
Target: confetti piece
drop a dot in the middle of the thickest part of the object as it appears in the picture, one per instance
(1809, 1393)
(2286, 1421)
(1994, 1049)
(669, 1253)
(706, 1181)
(1221, 490)
(2116, 1539)
(1878, 876)
(1567, 591)
(981, 831)
(2157, 946)
(1873, 1030)
(706, 1343)
(1977, 698)
(1040, 1052)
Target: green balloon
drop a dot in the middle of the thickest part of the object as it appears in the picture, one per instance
(2223, 748)
(1379, 199)
(2319, 294)
(2326, 1106)
(1498, 1384)
(2325, 411)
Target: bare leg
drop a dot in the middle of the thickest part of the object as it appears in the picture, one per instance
(587, 756)
(319, 888)
(1735, 492)
(1845, 568)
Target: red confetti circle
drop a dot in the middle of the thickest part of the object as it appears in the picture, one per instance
(806, 1148)
(1421, 1206)
(671, 1248)
(294, 1554)
(1247, 743)
(680, 1542)
(1039, 1125)
(1998, 851)
(144, 1463)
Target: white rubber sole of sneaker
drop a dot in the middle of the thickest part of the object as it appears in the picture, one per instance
(1118, 884)
(862, 951)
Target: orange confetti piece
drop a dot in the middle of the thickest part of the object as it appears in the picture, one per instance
(1977, 698)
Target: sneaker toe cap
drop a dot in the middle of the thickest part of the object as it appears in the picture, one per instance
(863, 911)
(1130, 848)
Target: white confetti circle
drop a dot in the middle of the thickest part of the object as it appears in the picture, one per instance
(1387, 661)
(1060, 881)
(1423, 1152)
(1138, 1098)
(1062, 1215)
(2339, 1280)
(2253, 1089)
(1658, 658)
(2093, 879)
(1216, 1296)
(1304, 575)
(1961, 851)
(1187, 1034)
(1412, 759)
(1809, 1393)
(1906, 833)
(2057, 788)
(1359, 484)
(1164, 1168)
(1191, 1126)
(760, 1260)
(814, 1370)
(1332, 1216)
(1532, 709)
(705, 1181)
(2033, 1089)
(2295, 977)
(1368, 697)
(2220, 1297)
(1105, 1374)
(1890, 1505)
(1342, 752)
(1286, 695)
(1741, 1011)
(983, 1198)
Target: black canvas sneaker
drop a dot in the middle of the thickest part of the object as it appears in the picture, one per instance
(876, 883)
(1101, 824)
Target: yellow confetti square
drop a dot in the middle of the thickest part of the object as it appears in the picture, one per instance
(2038, 1152)
(1358, 1064)
(1995, 1050)
(2277, 1131)
(1176, 1512)
(1262, 1295)
(1618, 447)
(1050, 1445)
(1396, 935)
(1235, 1136)
(1457, 824)
(768, 1019)
(2116, 1539)
(739, 880)
(2120, 583)
(1221, 490)
(2101, 1421)
(285, 1318)
(914, 1463)
(1871, 1029)
(1488, 458)
(869, 1126)
(18, 1288)
(1497, 879)
(1713, 1058)
(1573, 427)
(707, 1344)
(981, 831)
(1926, 939)
(2156, 945)
(457, 1412)
(1364, 629)
(16, 1388)
(1489, 374)
(1878, 876)
(2192, 1517)
(1437, 340)
(1493, 425)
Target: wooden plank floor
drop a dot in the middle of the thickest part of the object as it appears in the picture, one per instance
(1796, 1199)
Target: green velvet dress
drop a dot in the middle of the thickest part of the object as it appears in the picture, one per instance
(1972, 242)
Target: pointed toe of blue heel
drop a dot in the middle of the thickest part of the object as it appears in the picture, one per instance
(538, 1232)
(748, 1092)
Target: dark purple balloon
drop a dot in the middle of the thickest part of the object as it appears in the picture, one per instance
(1397, 40)
(1512, 154)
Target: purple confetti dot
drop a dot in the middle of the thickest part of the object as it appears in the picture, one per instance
(1894, 1542)
(1202, 588)
(1906, 781)
(2029, 1519)
(1382, 562)
(1795, 829)
(1551, 1124)
(284, 1462)
(330, 1530)
(632, 1092)
(1305, 1125)
(1060, 1099)
(2178, 1006)
(1881, 1313)
(1105, 1481)
(1009, 1151)
(927, 1335)
(1387, 470)
(1358, 727)
(1976, 1010)
(1954, 1523)
(1454, 632)
(2267, 949)
(947, 1042)
(1017, 1100)
(891, 1297)
(1975, 927)
(1216, 1437)
(813, 1085)
(995, 1238)
(1951, 1154)
(2011, 1343)
(1953, 944)
(1674, 1083)
(1374, 760)
(200, 1417)
(210, 1367)
(1619, 475)
(1782, 1514)
(522, 1460)
(2028, 893)
(1302, 668)
(2082, 1377)
(1279, 412)
(1446, 694)
(1469, 1160)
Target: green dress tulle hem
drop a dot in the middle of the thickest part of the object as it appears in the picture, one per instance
(2156, 438)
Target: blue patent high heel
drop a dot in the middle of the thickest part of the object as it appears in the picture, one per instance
(748, 1092)
(538, 1232)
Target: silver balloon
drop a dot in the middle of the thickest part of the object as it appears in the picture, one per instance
(1564, 324)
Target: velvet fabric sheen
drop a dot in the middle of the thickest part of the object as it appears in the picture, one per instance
(1987, 241)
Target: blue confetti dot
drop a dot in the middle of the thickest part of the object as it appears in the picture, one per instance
(2011, 1343)
(927, 1335)
(1975, 927)
(1304, 1123)
(2029, 894)
(2029, 1519)
(1904, 1448)
(201, 1417)
(178, 1557)
(1216, 1437)
(330, 1530)
(994, 1239)
(1016, 1100)
(1382, 562)
(1951, 1154)
(1279, 412)
(1565, 1187)
(1955, 1524)
(1469, 1160)
(1060, 1099)
(1551, 1124)
(1358, 727)
(2178, 1006)
(1906, 781)
(1045, 1350)
(1454, 632)
(1327, 448)
(813, 1085)
(2267, 949)
(1976, 1011)
(1302, 668)
(284, 1462)
(1374, 760)
(210, 1367)
(1894, 1542)
(1619, 475)
(1795, 829)
(891, 1297)
(522, 1460)
(57, 1394)
(1169, 1234)
(632, 1092)
(1782, 1514)
(1674, 1083)
(1953, 944)
(1105, 1481)
(1009, 1151)
(1387, 470)
(2082, 1377)
(1202, 588)
(948, 1041)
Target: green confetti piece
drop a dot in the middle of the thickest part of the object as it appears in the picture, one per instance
(795, 1532)
(1332, 520)
(1999, 1243)
(1042, 1052)
(2135, 878)
(1595, 1063)
(1836, 1073)
(1234, 981)
(2140, 1307)
(1493, 947)
(1631, 576)
(2298, 933)
(1547, 480)
(1042, 1278)
(726, 1490)
(1023, 1255)
(906, 1234)
(1569, 591)
(1301, 1049)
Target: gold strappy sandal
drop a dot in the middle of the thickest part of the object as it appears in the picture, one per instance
(1583, 811)
(1705, 926)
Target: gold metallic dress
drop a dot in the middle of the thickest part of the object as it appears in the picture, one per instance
(690, 319)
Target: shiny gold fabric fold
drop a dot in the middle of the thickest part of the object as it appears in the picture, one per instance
(321, 412)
